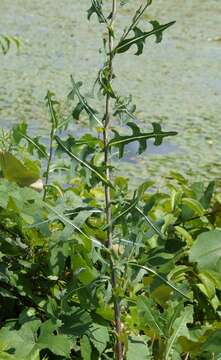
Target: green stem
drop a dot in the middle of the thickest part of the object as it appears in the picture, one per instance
(109, 244)
(49, 162)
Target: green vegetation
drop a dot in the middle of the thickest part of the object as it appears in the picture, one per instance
(6, 41)
(91, 268)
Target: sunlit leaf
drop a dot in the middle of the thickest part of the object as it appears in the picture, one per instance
(206, 250)
(14, 170)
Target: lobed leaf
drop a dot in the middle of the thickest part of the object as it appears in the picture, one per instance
(120, 141)
(179, 329)
(83, 104)
(96, 8)
(140, 37)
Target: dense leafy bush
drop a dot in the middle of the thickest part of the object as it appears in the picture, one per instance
(91, 268)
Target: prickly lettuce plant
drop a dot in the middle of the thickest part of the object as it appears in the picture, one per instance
(91, 268)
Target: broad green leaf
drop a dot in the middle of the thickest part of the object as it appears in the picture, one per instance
(99, 337)
(85, 273)
(76, 321)
(213, 343)
(57, 344)
(179, 329)
(206, 251)
(90, 167)
(14, 170)
(140, 37)
(26, 341)
(121, 140)
(138, 348)
(161, 295)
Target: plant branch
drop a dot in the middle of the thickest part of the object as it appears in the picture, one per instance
(54, 125)
(108, 210)
(136, 19)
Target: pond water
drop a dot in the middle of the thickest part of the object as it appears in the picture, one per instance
(176, 82)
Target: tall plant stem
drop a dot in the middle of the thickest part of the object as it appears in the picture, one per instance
(106, 122)
(49, 162)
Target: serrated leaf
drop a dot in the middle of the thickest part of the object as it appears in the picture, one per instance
(96, 8)
(148, 315)
(57, 344)
(83, 104)
(121, 140)
(99, 337)
(26, 341)
(179, 329)
(140, 37)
